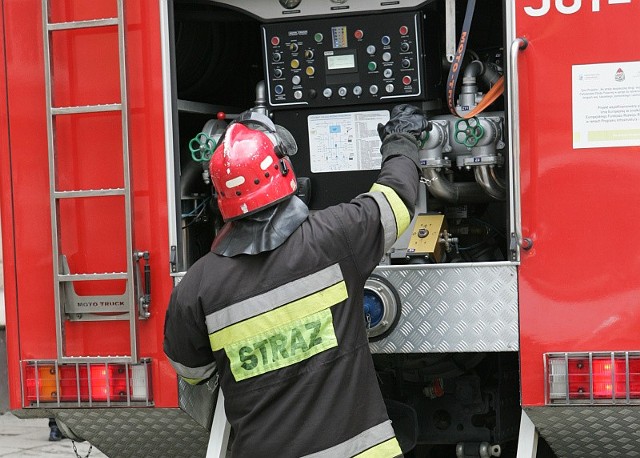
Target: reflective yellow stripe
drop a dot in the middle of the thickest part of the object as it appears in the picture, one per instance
(387, 449)
(400, 210)
(192, 381)
(282, 315)
(284, 346)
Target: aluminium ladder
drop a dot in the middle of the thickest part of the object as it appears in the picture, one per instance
(117, 307)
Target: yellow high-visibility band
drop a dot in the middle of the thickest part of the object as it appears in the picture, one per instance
(281, 347)
(387, 449)
(398, 207)
(192, 381)
(282, 315)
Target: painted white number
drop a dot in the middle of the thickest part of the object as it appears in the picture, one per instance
(560, 6)
(544, 9)
(567, 6)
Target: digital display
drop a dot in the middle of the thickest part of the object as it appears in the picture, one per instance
(340, 62)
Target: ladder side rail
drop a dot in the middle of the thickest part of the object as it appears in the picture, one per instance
(131, 285)
(55, 241)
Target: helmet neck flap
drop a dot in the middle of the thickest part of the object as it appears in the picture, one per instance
(262, 231)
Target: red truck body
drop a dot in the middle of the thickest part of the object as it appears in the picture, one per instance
(567, 320)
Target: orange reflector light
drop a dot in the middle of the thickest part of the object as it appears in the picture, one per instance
(79, 383)
(599, 378)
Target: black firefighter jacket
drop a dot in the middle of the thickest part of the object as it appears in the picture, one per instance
(285, 329)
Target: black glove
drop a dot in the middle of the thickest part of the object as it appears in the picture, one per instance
(406, 119)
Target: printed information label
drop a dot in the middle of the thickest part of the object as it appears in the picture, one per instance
(606, 105)
(345, 141)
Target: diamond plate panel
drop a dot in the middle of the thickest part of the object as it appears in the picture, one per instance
(453, 308)
(199, 400)
(138, 432)
(153, 432)
(590, 431)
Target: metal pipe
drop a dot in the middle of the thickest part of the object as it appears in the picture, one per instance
(260, 104)
(478, 69)
(473, 70)
(453, 193)
(490, 182)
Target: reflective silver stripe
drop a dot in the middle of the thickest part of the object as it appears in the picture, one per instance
(202, 372)
(387, 218)
(358, 444)
(275, 298)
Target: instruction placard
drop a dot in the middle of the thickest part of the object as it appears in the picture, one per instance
(343, 142)
(606, 105)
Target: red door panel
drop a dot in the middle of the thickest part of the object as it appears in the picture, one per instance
(580, 283)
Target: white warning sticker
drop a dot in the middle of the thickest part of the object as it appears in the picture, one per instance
(345, 141)
(606, 105)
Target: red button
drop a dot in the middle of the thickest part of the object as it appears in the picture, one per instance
(275, 41)
(358, 34)
(404, 30)
(406, 80)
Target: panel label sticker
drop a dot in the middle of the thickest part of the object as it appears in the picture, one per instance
(344, 142)
(606, 105)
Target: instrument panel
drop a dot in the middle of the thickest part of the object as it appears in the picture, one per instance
(344, 61)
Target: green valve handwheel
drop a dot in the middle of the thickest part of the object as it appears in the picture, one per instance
(468, 132)
(202, 147)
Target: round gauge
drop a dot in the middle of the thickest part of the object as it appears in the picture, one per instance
(289, 4)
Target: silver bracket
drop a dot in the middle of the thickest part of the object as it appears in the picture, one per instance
(527, 438)
(450, 32)
(93, 307)
(472, 161)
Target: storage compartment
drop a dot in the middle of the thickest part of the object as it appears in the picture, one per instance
(445, 295)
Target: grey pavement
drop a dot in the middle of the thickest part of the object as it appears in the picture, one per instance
(30, 438)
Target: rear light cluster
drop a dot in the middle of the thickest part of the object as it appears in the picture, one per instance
(593, 378)
(86, 384)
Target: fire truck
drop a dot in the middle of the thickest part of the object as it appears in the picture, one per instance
(500, 323)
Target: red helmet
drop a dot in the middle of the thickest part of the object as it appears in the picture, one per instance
(250, 169)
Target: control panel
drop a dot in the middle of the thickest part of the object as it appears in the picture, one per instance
(344, 61)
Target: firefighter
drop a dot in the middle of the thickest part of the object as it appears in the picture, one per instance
(276, 307)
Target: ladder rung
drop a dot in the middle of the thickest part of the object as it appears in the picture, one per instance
(86, 109)
(96, 276)
(83, 24)
(89, 193)
(96, 359)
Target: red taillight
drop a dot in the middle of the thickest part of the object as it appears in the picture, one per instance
(593, 377)
(79, 383)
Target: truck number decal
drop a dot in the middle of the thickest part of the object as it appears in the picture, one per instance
(567, 6)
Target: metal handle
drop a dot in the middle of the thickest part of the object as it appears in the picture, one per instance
(143, 291)
(513, 104)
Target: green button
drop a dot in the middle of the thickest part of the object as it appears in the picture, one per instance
(318, 37)
(372, 66)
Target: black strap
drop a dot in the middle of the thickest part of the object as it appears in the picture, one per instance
(456, 65)
(249, 116)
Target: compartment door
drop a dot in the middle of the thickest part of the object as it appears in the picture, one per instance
(579, 97)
